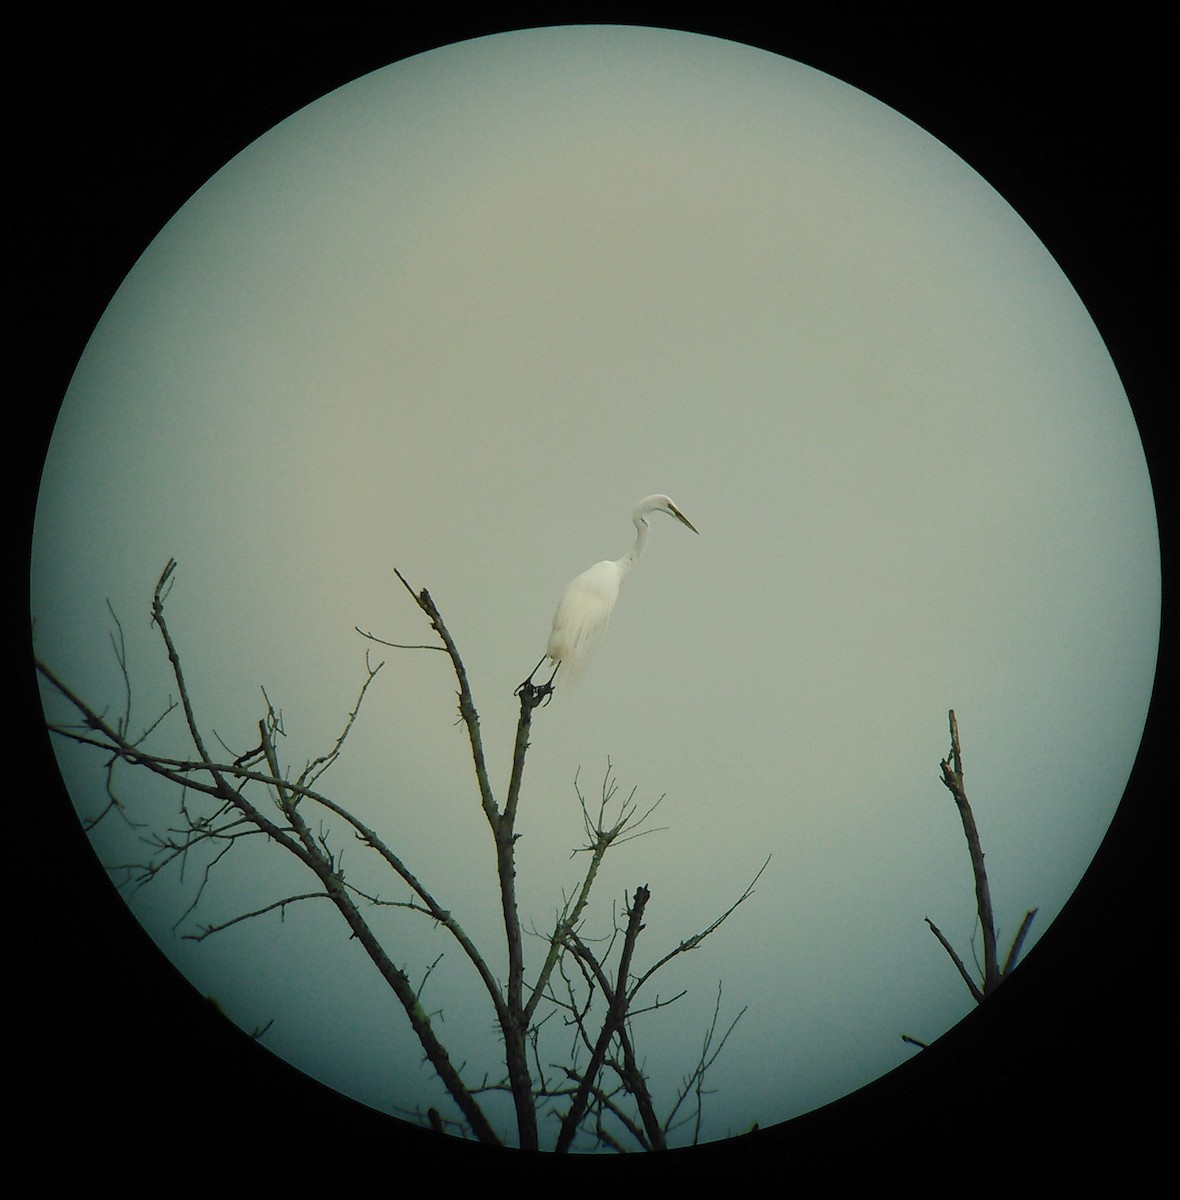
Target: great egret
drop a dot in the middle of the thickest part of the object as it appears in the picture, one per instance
(586, 603)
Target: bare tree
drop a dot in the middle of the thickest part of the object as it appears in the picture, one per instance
(991, 972)
(600, 1092)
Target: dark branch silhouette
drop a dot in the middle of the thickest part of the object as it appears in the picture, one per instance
(234, 797)
(993, 973)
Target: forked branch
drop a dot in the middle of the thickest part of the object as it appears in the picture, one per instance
(238, 796)
(226, 784)
(993, 972)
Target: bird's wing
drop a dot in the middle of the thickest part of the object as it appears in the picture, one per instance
(582, 615)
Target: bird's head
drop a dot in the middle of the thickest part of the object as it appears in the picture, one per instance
(664, 504)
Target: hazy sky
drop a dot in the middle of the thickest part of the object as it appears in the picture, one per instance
(458, 317)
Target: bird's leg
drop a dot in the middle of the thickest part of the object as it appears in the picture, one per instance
(546, 689)
(528, 683)
(538, 693)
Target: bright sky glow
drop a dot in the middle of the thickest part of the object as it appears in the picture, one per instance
(458, 317)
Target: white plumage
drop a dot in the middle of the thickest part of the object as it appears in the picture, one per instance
(582, 614)
(586, 603)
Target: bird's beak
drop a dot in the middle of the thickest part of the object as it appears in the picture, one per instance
(682, 518)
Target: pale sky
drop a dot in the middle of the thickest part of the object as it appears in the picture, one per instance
(458, 317)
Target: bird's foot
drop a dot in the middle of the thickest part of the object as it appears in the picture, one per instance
(533, 694)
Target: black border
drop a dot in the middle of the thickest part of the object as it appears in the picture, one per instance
(118, 120)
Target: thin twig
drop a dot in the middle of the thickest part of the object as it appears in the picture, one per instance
(397, 645)
(691, 943)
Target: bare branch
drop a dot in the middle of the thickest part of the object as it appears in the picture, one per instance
(693, 942)
(602, 1090)
(120, 647)
(174, 657)
(305, 845)
(209, 930)
(694, 1084)
(1018, 942)
(600, 837)
(175, 770)
(372, 637)
(613, 1022)
(466, 703)
(993, 974)
(316, 768)
(957, 961)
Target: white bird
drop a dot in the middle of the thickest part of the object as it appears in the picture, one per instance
(586, 603)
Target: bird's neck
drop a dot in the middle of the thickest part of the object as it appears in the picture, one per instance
(642, 529)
